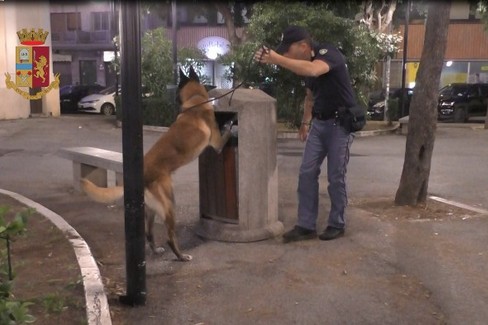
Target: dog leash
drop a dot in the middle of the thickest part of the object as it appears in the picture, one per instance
(265, 50)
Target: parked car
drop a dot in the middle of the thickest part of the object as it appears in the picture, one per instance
(376, 103)
(459, 102)
(70, 95)
(103, 102)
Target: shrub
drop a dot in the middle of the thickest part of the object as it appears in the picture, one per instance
(11, 311)
(156, 111)
(393, 111)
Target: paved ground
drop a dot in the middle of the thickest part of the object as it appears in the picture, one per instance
(382, 272)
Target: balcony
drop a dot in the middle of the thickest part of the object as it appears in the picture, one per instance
(99, 40)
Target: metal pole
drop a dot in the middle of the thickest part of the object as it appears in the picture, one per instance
(387, 77)
(132, 152)
(404, 61)
(174, 37)
(174, 20)
(115, 33)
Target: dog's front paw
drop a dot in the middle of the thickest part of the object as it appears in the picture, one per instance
(186, 258)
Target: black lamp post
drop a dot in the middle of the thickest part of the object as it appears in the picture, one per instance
(132, 152)
(174, 23)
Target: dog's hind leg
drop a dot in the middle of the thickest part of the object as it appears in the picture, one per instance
(169, 220)
(159, 197)
(150, 215)
(172, 241)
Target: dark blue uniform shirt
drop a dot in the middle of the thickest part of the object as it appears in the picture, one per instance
(332, 89)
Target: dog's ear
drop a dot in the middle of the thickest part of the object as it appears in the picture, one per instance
(193, 75)
(183, 79)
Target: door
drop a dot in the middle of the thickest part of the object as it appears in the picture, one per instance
(64, 71)
(475, 101)
(88, 72)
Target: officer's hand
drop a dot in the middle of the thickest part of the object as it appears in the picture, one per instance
(303, 132)
(263, 55)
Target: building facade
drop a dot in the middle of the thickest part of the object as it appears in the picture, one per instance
(466, 57)
(83, 40)
(82, 36)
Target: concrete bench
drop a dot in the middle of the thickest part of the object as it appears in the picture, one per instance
(102, 167)
(403, 125)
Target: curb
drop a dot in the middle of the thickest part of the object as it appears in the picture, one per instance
(472, 126)
(392, 129)
(97, 308)
(388, 130)
(460, 205)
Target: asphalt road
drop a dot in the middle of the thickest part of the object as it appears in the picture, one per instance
(381, 272)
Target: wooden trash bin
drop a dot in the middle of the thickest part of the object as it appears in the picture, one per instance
(239, 187)
(219, 178)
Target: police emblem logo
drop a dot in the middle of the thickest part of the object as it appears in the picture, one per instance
(322, 51)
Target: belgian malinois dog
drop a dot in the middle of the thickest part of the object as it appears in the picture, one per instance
(194, 130)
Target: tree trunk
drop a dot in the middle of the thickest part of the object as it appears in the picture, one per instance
(223, 8)
(423, 117)
(486, 117)
(378, 16)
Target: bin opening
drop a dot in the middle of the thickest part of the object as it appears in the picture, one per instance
(224, 117)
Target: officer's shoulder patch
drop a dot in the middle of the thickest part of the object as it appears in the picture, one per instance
(322, 51)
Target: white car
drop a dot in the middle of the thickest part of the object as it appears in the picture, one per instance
(102, 102)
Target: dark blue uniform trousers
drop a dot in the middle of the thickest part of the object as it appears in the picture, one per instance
(325, 139)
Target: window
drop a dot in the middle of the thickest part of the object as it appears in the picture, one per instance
(58, 23)
(63, 22)
(100, 21)
(73, 21)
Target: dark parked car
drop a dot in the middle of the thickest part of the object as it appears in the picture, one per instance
(459, 102)
(70, 95)
(376, 104)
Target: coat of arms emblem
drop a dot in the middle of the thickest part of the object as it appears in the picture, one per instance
(32, 64)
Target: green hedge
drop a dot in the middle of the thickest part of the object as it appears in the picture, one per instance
(393, 109)
(156, 111)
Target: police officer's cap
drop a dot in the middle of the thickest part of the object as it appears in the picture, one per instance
(291, 35)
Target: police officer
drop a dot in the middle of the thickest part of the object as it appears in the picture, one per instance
(328, 88)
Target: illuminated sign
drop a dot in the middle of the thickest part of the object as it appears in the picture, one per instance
(214, 46)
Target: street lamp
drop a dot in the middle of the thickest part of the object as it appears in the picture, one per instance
(132, 153)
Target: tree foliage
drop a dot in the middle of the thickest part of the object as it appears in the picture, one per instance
(157, 75)
(483, 10)
(269, 19)
(156, 62)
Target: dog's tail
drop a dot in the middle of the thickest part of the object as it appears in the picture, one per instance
(102, 194)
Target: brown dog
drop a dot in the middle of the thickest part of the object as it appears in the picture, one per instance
(194, 130)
